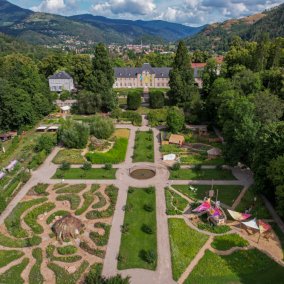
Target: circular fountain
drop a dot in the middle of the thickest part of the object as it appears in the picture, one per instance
(142, 172)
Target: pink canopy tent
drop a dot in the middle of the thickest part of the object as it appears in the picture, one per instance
(239, 216)
(203, 207)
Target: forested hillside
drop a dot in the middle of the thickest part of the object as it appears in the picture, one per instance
(217, 37)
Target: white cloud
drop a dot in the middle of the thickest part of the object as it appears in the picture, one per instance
(118, 7)
(51, 6)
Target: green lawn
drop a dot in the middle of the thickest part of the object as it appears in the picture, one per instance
(226, 242)
(259, 209)
(134, 240)
(115, 155)
(175, 203)
(72, 156)
(191, 174)
(7, 256)
(185, 244)
(144, 147)
(227, 194)
(245, 267)
(200, 159)
(77, 173)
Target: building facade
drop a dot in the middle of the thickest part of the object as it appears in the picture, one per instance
(61, 81)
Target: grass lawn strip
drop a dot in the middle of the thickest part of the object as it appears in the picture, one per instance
(73, 199)
(19, 243)
(13, 221)
(88, 200)
(66, 250)
(7, 256)
(210, 174)
(229, 241)
(13, 274)
(35, 276)
(134, 241)
(75, 188)
(102, 201)
(144, 147)
(115, 155)
(100, 240)
(51, 217)
(185, 244)
(72, 156)
(175, 203)
(31, 217)
(69, 259)
(63, 277)
(227, 194)
(250, 266)
(76, 173)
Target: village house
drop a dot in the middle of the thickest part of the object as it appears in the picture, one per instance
(61, 81)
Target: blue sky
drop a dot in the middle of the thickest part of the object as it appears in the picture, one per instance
(189, 12)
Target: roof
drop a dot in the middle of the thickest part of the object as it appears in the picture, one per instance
(214, 152)
(11, 165)
(41, 127)
(198, 65)
(175, 138)
(132, 72)
(54, 127)
(60, 75)
(65, 108)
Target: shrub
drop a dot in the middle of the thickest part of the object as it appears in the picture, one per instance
(148, 255)
(73, 134)
(148, 208)
(197, 168)
(125, 228)
(67, 250)
(157, 117)
(45, 142)
(175, 119)
(176, 167)
(101, 127)
(37, 160)
(86, 166)
(133, 101)
(108, 166)
(150, 190)
(147, 229)
(157, 99)
(65, 166)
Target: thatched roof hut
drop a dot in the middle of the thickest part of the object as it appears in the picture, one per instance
(67, 227)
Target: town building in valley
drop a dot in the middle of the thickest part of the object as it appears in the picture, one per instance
(61, 81)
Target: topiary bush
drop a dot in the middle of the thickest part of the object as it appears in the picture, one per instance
(148, 255)
(133, 101)
(157, 99)
(147, 229)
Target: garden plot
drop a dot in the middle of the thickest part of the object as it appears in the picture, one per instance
(30, 250)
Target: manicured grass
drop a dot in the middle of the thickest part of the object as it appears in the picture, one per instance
(185, 244)
(115, 155)
(175, 203)
(205, 226)
(51, 217)
(31, 217)
(121, 133)
(63, 277)
(72, 156)
(75, 173)
(226, 242)
(88, 200)
(259, 209)
(144, 147)
(200, 159)
(35, 276)
(19, 243)
(13, 221)
(134, 241)
(13, 274)
(101, 240)
(189, 174)
(227, 194)
(66, 250)
(247, 267)
(75, 188)
(7, 256)
(73, 199)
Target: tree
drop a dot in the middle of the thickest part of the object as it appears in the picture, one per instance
(45, 142)
(239, 129)
(157, 99)
(268, 108)
(88, 103)
(133, 101)
(181, 77)
(65, 95)
(101, 127)
(73, 134)
(275, 173)
(175, 119)
(209, 75)
(269, 144)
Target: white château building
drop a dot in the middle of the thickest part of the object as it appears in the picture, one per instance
(61, 81)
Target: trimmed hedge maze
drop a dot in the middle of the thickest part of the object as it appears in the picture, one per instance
(31, 222)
